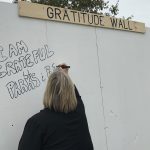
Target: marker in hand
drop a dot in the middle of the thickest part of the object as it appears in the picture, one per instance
(63, 66)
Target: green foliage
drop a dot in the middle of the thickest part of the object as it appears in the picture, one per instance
(114, 9)
(102, 7)
(92, 6)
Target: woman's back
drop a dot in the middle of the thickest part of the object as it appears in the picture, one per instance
(57, 130)
(62, 124)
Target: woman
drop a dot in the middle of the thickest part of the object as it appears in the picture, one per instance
(62, 124)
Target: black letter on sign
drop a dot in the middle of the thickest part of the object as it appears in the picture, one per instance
(120, 23)
(90, 16)
(66, 15)
(57, 13)
(50, 12)
(114, 22)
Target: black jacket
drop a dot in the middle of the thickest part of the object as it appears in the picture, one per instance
(50, 130)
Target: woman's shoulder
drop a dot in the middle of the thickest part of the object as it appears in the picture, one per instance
(40, 119)
(41, 115)
(35, 119)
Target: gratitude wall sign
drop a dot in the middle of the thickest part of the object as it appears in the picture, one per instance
(47, 12)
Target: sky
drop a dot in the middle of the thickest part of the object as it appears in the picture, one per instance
(140, 9)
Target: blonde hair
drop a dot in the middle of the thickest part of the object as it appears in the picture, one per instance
(60, 93)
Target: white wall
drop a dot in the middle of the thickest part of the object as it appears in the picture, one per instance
(125, 73)
(110, 69)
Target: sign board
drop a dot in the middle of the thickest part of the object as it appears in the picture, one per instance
(47, 12)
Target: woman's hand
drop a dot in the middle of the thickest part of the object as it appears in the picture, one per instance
(64, 67)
